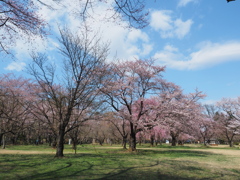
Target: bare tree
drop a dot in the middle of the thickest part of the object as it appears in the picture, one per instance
(131, 11)
(72, 98)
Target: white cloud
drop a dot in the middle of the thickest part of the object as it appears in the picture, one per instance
(208, 55)
(147, 48)
(161, 20)
(169, 27)
(182, 28)
(170, 48)
(183, 3)
(125, 43)
(17, 66)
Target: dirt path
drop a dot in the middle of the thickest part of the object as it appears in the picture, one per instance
(215, 151)
(6, 151)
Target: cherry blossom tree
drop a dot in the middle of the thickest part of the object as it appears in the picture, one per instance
(205, 129)
(15, 105)
(121, 126)
(126, 91)
(179, 112)
(229, 118)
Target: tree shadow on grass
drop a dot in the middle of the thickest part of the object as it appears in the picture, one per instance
(177, 153)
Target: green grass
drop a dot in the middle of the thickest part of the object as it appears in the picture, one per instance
(95, 162)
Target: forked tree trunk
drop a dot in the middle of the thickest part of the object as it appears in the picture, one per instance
(60, 142)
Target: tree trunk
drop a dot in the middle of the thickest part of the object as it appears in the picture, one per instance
(230, 142)
(152, 141)
(132, 145)
(174, 141)
(49, 140)
(1, 136)
(74, 145)
(204, 141)
(60, 142)
(3, 142)
(124, 142)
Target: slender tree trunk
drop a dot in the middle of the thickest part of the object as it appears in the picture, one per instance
(152, 141)
(204, 141)
(74, 146)
(124, 142)
(1, 136)
(60, 142)
(49, 140)
(3, 142)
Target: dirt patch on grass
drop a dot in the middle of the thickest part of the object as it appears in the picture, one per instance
(6, 151)
(221, 151)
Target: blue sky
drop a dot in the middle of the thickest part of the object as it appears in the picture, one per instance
(197, 40)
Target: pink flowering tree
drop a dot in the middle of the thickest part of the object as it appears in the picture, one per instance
(15, 105)
(179, 112)
(127, 90)
(156, 134)
(205, 129)
(228, 118)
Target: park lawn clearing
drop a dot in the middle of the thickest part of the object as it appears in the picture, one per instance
(95, 162)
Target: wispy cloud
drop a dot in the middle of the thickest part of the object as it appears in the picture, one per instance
(164, 22)
(16, 66)
(207, 55)
(183, 3)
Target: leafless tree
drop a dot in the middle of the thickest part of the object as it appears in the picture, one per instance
(72, 98)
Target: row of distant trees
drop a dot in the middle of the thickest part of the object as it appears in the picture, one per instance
(92, 99)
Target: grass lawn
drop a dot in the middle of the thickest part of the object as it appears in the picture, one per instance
(111, 162)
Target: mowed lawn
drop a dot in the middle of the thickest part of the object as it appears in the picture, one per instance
(111, 162)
